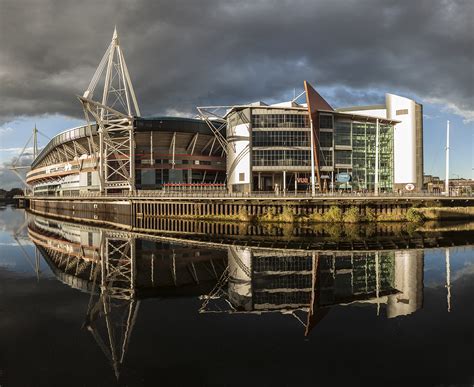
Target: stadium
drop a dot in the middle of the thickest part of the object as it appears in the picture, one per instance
(289, 146)
(169, 151)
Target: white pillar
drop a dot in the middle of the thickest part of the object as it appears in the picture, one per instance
(446, 188)
(448, 278)
(377, 280)
(376, 181)
(284, 182)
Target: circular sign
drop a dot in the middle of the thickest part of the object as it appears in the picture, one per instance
(410, 187)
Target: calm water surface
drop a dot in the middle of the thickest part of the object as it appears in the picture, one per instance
(86, 306)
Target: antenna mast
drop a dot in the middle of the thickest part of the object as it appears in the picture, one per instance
(446, 189)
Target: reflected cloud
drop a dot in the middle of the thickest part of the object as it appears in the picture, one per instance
(119, 269)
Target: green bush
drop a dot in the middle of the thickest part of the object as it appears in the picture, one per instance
(370, 215)
(268, 216)
(316, 218)
(287, 215)
(414, 216)
(334, 214)
(334, 231)
(243, 215)
(352, 215)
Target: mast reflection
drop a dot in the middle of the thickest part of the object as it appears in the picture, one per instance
(118, 269)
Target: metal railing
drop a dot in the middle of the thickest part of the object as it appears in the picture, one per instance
(221, 193)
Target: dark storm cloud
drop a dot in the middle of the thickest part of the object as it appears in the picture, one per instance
(186, 53)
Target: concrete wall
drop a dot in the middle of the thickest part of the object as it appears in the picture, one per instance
(404, 139)
(238, 154)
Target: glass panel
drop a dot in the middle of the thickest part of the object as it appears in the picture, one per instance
(280, 138)
(343, 157)
(342, 135)
(325, 121)
(280, 121)
(281, 158)
(325, 139)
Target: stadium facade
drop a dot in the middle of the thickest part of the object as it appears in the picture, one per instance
(282, 147)
(169, 151)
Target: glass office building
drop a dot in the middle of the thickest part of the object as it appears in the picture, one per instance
(347, 145)
(270, 149)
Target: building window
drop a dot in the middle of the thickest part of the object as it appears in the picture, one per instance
(343, 157)
(342, 135)
(241, 176)
(262, 158)
(89, 178)
(280, 121)
(325, 158)
(280, 138)
(325, 121)
(325, 139)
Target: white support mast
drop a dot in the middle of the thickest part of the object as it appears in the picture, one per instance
(114, 119)
(313, 174)
(377, 140)
(35, 142)
(446, 188)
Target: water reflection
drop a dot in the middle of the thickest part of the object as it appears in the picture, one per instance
(261, 281)
(119, 269)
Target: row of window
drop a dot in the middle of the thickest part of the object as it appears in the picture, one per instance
(179, 162)
(264, 158)
(162, 176)
(280, 121)
(280, 138)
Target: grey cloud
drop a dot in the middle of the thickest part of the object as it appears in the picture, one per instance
(9, 179)
(186, 53)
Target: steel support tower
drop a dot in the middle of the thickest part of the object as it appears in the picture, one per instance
(114, 118)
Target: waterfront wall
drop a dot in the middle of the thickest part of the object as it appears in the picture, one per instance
(144, 213)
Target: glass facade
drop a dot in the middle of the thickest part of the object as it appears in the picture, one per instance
(280, 121)
(294, 158)
(280, 138)
(342, 133)
(363, 156)
(325, 139)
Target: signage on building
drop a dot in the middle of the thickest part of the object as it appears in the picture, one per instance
(343, 177)
(302, 180)
(410, 187)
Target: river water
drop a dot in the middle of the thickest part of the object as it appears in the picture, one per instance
(89, 306)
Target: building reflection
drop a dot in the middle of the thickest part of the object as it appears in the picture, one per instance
(118, 269)
(290, 282)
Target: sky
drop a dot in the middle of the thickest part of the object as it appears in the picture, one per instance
(182, 54)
